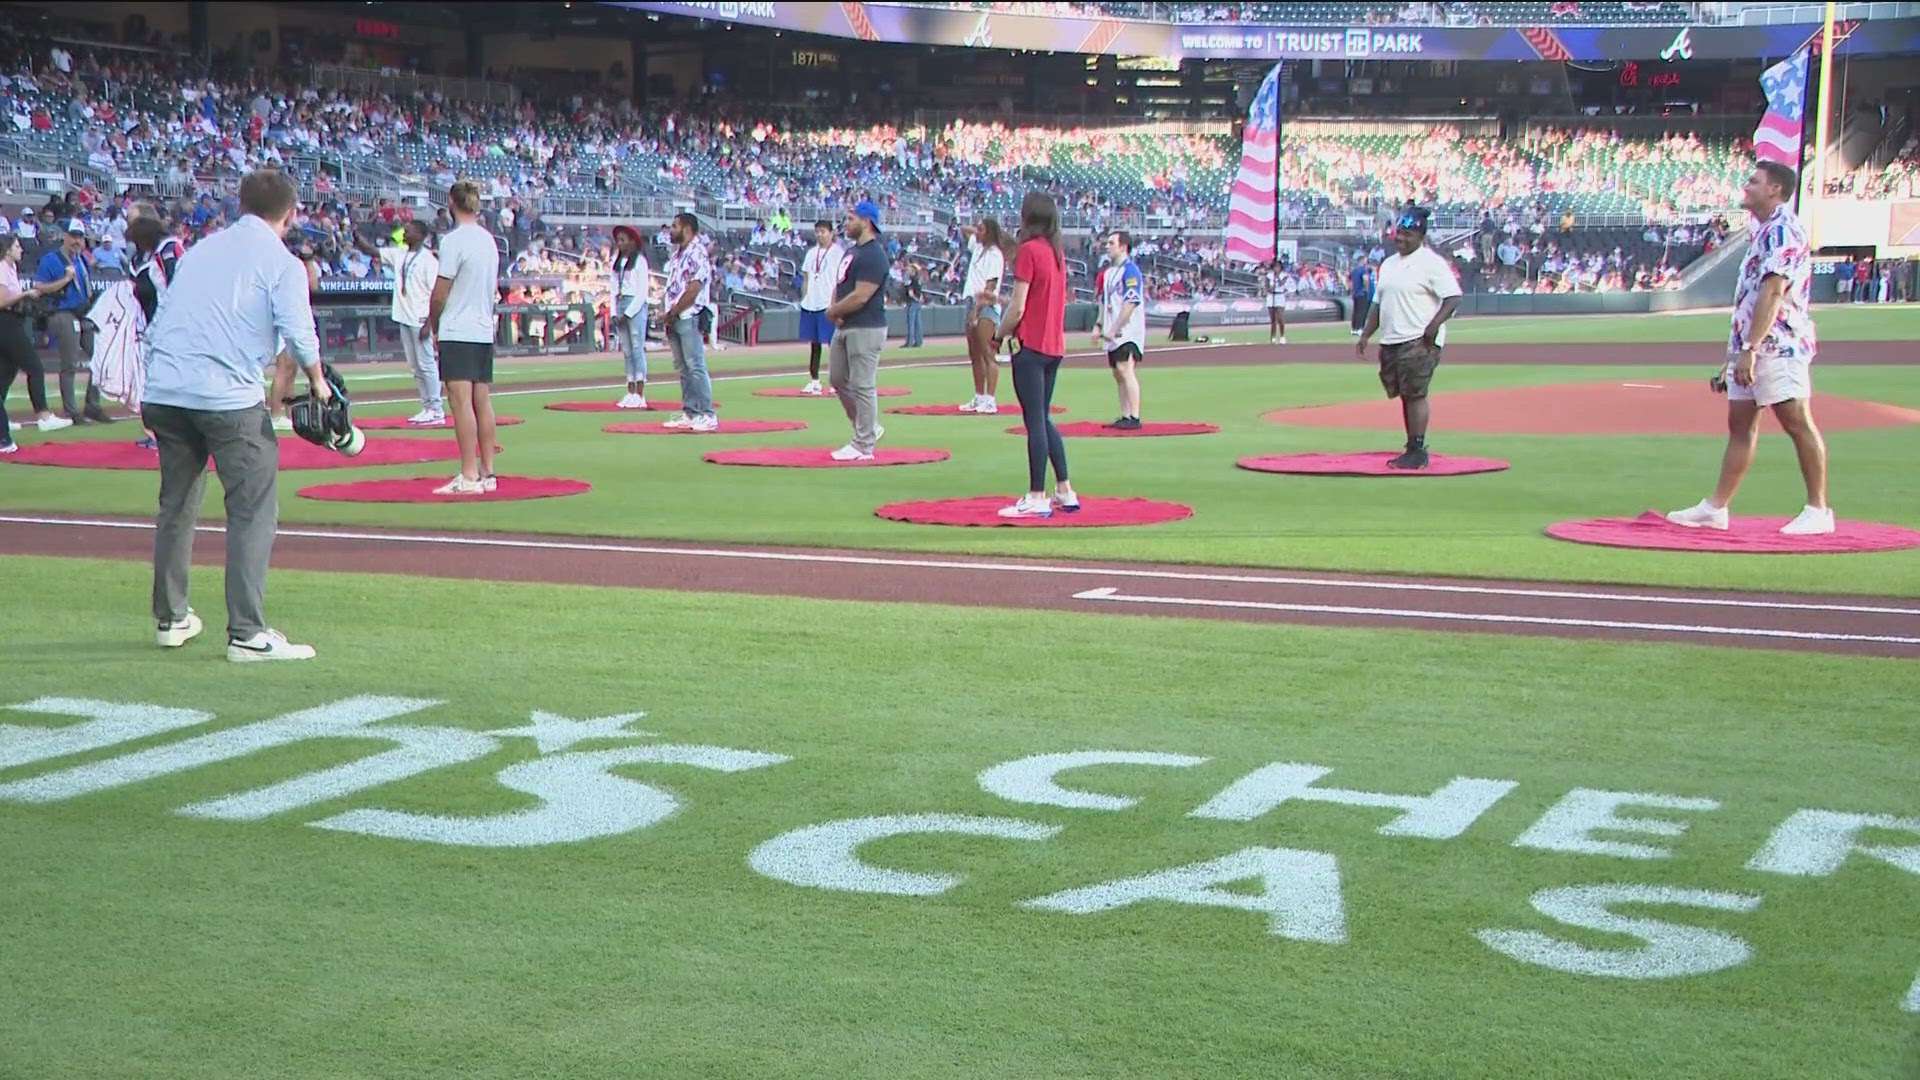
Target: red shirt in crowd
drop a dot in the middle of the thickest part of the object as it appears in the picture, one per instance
(1043, 325)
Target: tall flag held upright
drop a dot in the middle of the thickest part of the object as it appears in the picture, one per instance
(1253, 219)
(1783, 128)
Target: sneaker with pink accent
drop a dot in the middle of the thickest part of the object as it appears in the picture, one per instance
(1029, 506)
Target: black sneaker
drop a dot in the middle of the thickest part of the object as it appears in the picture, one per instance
(98, 415)
(1118, 422)
(80, 419)
(1414, 458)
(1128, 423)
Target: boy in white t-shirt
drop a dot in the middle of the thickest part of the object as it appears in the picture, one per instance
(1417, 293)
(1121, 326)
(820, 270)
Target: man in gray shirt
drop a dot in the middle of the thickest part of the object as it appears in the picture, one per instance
(208, 348)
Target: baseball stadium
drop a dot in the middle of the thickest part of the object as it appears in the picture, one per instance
(1461, 616)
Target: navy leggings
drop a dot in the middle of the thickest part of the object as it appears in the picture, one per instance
(1033, 377)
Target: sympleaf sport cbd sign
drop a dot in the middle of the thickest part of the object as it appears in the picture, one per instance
(1295, 894)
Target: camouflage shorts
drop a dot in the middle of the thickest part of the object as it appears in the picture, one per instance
(1406, 368)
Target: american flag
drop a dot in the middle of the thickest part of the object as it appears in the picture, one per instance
(1778, 137)
(1250, 201)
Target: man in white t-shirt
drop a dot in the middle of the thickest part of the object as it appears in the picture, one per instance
(460, 318)
(1417, 293)
(820, 270)
(415, 268)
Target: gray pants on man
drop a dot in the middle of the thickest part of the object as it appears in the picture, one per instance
(74, 337)
(243, 443)
(423, 360)
(854, 366)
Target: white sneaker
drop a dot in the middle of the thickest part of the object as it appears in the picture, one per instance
(172, 635)
(54, 423)
(434, 418)
(680, 420)
(282, 423)
(9, 448)
(1813, 521)
(460, 485)
(1283, 339)
(640, 402)
(850, 452)
(1066, 504)
(489, 484)
(1701, 515)
(628, 401)
(266, 645)
(812, 389)
(1029, 506)
(421, 417)
(705, 422)
(972, 406)
(987, 405)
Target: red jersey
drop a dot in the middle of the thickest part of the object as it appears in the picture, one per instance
(1043, 323)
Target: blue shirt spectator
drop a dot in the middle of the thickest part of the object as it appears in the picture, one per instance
(53, 267)
(1360, 280)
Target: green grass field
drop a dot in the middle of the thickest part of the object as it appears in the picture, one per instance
(150, 944)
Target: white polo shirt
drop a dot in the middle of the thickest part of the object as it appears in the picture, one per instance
(1409, 293)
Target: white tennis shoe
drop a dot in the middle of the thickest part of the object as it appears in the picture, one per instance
(1813, 521)
(1701, 515)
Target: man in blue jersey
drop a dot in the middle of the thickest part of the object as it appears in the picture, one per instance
(1360, 284)
(1121, 325)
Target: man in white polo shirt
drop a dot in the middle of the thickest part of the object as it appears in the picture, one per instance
(208, 348)
(460, 319)
(1416, 295)
(415, 268)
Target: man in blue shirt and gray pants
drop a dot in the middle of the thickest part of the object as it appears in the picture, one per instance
(209, 346)
(68, 324)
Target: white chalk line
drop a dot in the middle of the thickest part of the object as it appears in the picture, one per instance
(1112, 595)
(912, 563)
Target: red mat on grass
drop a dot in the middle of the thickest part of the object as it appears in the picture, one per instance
(985, 510)
(954, 410)
(399, 423)
(794, 391)
(1373, 463)
(609, 406)
(1098, 430)
(295, 454)
(1755, 536)
(820, 457)
(727, 427)
(419, 489)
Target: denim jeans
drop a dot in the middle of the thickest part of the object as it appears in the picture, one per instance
(633, 346)
(916, 335)
(690, 362)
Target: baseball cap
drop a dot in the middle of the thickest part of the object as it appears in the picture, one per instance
(1414, 217)
(866, 209)
(77, 227)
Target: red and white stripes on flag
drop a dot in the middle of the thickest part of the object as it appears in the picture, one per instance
(1250, 202)
(1783, 128)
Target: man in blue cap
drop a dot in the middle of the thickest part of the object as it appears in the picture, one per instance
(1416, 292)
(859, 309)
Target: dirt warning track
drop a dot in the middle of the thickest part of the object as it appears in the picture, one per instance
(1768, 620)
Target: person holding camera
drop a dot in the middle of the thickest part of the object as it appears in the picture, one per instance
(67, 321)
(211, 340)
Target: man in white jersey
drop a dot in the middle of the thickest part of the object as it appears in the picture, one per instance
(460, 317)
(1770, 357)
(1121, 325)
(415, 268)
(820, 271)
(1417, 294)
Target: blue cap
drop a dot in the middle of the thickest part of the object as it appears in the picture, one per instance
(1415, 218)
(865, 208)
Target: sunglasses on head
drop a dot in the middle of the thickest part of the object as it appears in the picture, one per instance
(1408, 221)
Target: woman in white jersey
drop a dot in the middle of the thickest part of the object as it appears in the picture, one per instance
(988, 264)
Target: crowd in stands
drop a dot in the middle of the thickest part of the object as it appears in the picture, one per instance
(1898, 179)
(1408, 13)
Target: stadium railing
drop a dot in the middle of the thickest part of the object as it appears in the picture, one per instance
(402, 84)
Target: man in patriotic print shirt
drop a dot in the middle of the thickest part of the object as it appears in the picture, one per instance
(1770, 357)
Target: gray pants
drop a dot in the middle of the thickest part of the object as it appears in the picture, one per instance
(75, 341)
(854, 366)
(242, 441)
(425, 365)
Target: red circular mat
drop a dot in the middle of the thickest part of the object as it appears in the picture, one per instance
(727, 427)
(820, 457)
(609, 406)
(419, 489)
(1754, 536)
(794, 391)
(1373, 463)
(1098, 430)
(954, 410)
(985, 510)
(295, 454)
(399, 423)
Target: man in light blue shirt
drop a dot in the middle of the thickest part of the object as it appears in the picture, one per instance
(207, 351)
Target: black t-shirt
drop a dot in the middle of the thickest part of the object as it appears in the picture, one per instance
(914, 292)
(866, 262)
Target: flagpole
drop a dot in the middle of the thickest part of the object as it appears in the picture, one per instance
(1278, 78)
(1820, 129)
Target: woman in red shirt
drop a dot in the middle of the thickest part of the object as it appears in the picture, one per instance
(1037, 316)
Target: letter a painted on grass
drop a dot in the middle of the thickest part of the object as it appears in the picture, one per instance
(1440, 816)
(1031, 779)
(580, 799)
(1300, 891)
(1670, 950)
(1814, 843)
(108, 723)
(827, 856)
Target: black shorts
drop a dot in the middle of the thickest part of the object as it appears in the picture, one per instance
(1127, 351)
(466, 361)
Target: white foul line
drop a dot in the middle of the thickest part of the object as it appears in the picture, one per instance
(1114, 595)
(1020, 568)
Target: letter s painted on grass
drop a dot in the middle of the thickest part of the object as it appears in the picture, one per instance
(1670, 950)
